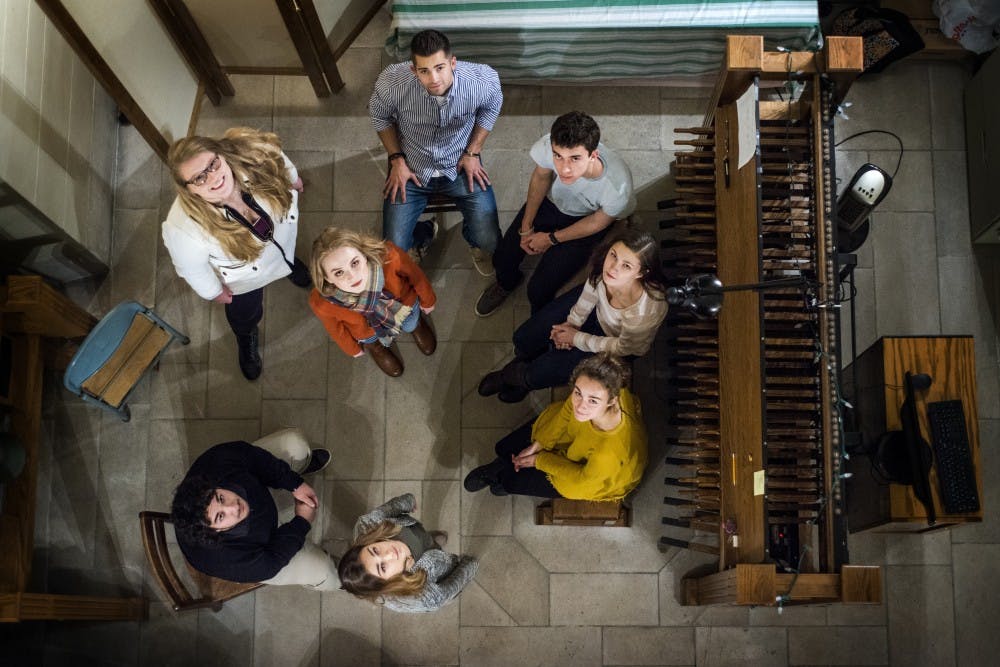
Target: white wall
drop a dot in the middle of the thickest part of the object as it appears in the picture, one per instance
(133, 42)
(58, 130)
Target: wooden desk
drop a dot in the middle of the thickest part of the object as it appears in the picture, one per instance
(30, 312)
(879, 374)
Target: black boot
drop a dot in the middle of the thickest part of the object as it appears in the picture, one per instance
(515, 382)
(483, 476)
(249, 354)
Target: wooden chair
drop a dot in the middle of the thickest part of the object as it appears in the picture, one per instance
(116, 354)
(566, 512)
(212, 591)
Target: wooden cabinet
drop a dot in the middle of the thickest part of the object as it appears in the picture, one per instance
(982, 139)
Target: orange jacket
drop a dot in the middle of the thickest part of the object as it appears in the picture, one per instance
(403, 278)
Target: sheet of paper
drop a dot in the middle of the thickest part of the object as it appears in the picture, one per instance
(746, 116)
(758, 482)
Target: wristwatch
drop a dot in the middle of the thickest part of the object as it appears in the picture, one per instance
(552, 237)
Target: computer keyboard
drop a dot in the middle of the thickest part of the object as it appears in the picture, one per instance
(952, 457)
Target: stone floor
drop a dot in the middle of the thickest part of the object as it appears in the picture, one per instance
(544, 596)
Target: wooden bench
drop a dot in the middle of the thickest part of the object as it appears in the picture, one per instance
(565, 512)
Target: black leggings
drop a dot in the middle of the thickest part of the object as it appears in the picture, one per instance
(529, 481)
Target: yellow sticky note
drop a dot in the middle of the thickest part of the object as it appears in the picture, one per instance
(758, 482)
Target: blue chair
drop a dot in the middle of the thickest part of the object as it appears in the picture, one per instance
(116, 354)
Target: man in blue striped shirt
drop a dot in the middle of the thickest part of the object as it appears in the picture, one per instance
(433, 116)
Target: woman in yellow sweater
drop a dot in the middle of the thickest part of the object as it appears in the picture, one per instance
(592, 446)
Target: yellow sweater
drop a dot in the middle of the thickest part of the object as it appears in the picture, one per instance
(583, 463)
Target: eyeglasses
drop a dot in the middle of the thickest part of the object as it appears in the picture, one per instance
(202, 176)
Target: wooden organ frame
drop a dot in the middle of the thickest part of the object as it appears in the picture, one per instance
(745, 576)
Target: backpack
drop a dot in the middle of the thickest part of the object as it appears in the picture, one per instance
(886, 33)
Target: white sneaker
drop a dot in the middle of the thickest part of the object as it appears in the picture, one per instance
(483, 262)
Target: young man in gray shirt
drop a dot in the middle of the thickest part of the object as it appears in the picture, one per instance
(578, 188)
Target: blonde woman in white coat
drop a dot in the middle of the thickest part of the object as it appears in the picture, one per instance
(232, 228)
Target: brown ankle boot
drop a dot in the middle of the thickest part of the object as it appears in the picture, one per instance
(424, 337)
(384, 358)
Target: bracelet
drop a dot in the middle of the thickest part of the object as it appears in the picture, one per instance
(396, 155)
(530, 230)
(470, 153)
(552, 237)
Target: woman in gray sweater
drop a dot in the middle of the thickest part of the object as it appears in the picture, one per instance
(394, 561)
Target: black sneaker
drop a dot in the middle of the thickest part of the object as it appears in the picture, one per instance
(300, 274)
(491, 299)
(320, 459)
(423, 236)
(498, 490)
(249, 354)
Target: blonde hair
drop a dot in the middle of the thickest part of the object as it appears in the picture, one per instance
(355, 579)
(258, 168)
(373, 248)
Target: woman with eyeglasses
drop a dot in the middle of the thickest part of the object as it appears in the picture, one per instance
(231, 230)
(592, 446)
(395, 562)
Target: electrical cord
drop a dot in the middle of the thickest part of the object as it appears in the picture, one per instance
(895, 136)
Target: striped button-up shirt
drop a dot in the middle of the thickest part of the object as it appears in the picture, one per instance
(434, 135)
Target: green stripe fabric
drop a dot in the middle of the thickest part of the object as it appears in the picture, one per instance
(591, 40)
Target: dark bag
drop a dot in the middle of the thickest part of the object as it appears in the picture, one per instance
(887, 35)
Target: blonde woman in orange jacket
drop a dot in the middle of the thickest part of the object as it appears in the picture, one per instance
(367, 292)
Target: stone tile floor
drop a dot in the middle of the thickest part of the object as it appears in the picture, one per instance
(544, 596)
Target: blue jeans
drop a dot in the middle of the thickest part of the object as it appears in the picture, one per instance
(480, 222)
(408, 325)
(547, 366)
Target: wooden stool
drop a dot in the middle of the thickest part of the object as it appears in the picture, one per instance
(566, 512)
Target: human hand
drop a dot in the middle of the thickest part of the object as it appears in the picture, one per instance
(305, 494)
(305, 511)
(399, 174)
(474, 171)
(427, 311)
(533, 448)
(225, 297)
(562, 335)
(359, 354)
(522, 461)
(537, 243)
(525, 242)
(297, 185)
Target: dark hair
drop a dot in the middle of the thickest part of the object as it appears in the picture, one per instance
(610, 371)
(355, 579)
(575, 129)
(428, 42)
(187, 512)
(646, 249)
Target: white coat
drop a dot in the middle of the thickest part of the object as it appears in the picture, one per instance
(200, 259)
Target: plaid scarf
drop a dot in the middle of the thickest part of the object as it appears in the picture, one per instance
(383, 311)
